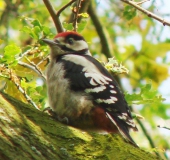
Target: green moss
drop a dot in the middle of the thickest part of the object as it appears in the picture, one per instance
(27, 133)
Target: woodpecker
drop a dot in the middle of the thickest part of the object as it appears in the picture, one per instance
(81, 92)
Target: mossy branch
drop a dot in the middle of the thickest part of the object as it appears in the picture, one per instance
(27, 133)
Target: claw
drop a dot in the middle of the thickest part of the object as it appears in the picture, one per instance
(50, 111)
(53, 114)
(63, 120)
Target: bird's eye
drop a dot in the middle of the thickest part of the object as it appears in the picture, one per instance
(70, 41)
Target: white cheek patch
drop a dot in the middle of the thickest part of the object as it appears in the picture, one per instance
(78, 45)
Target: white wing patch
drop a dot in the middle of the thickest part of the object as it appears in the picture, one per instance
(112, 91)
(108, 101)
(111, 86)
(90, 70)
(98, 78)
(112, 120)
(96, 89)
(124, 117)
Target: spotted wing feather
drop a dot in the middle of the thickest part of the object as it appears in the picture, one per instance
(87, 75)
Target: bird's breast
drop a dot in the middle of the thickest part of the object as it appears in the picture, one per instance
(62, 100)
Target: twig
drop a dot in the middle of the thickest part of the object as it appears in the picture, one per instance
(56, 19)
(64, 7)
(106, 46)
(34, 68)
(147, 135)
(76, 12)
(23, 54)
(55, 16)
(148, 13)
(139, 3)
(44, 58)
(84, 7)
(14, 79)
(163, 127)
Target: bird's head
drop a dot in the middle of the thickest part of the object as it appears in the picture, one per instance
(67, 42)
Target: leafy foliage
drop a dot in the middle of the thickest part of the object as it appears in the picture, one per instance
(146, 96)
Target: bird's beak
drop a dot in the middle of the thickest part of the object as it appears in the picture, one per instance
(49, 42)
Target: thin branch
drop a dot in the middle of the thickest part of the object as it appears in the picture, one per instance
(34, 68)
(46, 58)
(147, 135)
(84, 7)
(14, 79)
(56, 19)
(139, 3)
(163, 127)
(64, 7)
(148, 13)
(76, 11)
(106, 46)
(55, 16)
(23, 54)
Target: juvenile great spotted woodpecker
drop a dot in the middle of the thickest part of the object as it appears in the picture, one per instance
(81, 92)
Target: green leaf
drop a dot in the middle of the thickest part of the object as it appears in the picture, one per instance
(12, 50)
(68, 26)
(10, 53)
(36, 32)
(46, 30)
(129, 12)
(26, 29)
(36, 23)
(84, 15)
(146, 96)
(81, 25)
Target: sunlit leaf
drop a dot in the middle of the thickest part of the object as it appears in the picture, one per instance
(36, 23)
(81, 25)
(68, 26)
(129, 12)
(147, 95)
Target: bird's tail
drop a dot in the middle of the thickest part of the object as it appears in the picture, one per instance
(123, 128)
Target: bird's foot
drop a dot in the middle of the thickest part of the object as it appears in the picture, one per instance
(50, 112)
(55, 116)
(63, 120)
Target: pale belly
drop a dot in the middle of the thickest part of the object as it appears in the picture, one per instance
(65, 103)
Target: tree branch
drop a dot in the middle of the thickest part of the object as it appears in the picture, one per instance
(106, 47)
(33, 67)
(13, 78)
(148, 13)
(38, 136)
(84, 7)
(56, 19)
(163, 127)
(76, 12)
(55, 16)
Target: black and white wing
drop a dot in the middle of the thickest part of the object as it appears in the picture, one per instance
(88, 75)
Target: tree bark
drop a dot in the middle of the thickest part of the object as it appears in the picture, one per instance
(29, 134)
